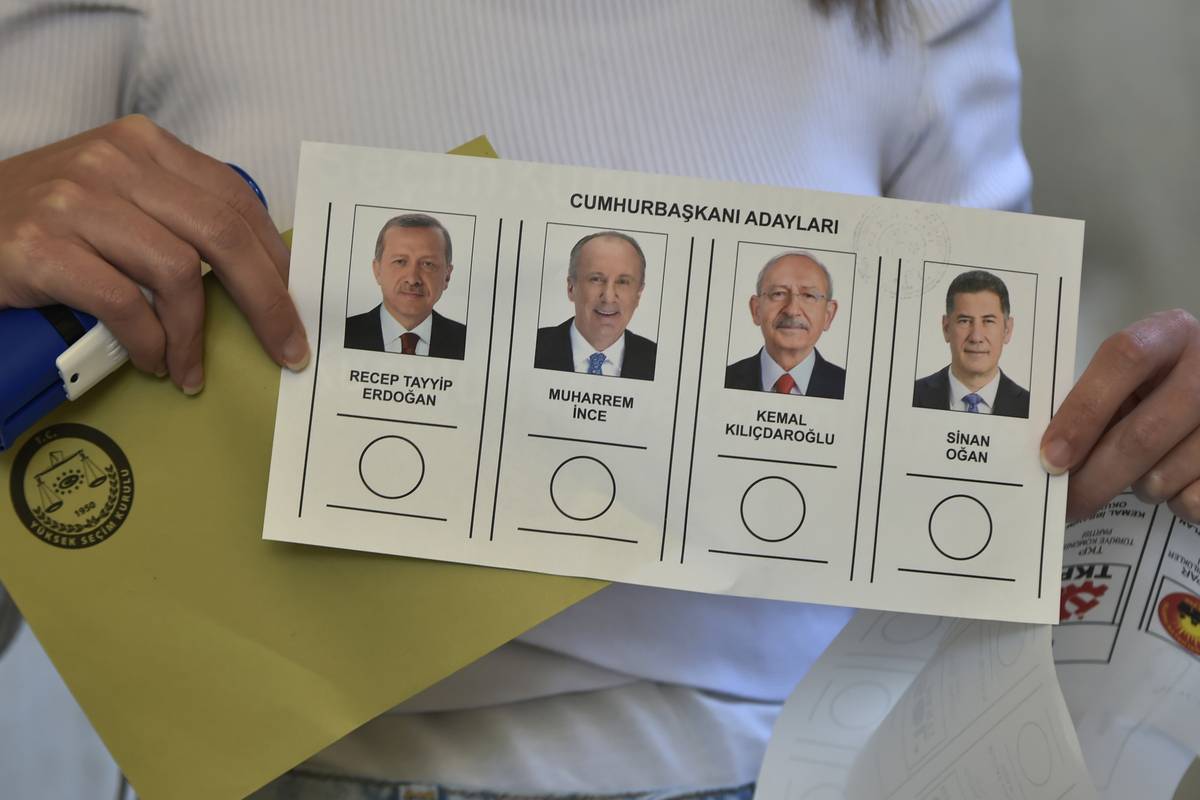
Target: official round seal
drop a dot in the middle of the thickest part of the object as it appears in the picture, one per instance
(1179, 613)
(71, 486)
(915, 235)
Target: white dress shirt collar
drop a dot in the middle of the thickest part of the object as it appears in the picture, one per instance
(393, 330)
(988, 394)
(801, 373)
(581, 351)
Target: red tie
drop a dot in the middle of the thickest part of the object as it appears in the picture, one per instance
(785, 384)
(408, 343)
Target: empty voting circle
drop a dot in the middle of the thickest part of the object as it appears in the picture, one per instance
(909, 628)
(1033, 752)
(582, 488)
(773, 509)
(391, 467)
(860, 706)
(960, 527)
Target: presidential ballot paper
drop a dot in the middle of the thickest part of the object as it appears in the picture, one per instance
(679, 383)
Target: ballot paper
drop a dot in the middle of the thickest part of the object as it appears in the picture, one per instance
(930, 708)
(907, 707)
(1128, 646)
(678, 383)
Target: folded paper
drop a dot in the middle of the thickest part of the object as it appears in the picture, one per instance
(208, 660)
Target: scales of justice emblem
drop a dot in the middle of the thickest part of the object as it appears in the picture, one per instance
(72, 486)
(75, 477)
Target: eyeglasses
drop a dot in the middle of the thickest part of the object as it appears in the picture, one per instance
(782, 295)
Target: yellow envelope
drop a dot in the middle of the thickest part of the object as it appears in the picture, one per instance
(209, 660)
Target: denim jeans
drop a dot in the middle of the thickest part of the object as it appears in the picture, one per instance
(301, 785)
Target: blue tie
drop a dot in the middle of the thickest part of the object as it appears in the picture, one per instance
(972, 400)
(595, 361)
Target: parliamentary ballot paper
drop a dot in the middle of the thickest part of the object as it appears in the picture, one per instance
(672, 382)
(909, 707)
(1104, 705)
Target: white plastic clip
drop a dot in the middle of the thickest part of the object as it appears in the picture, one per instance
(92, 358)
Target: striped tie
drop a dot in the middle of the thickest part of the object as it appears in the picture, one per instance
(785, 384)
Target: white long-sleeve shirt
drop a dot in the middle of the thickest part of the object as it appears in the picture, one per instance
(761, 91)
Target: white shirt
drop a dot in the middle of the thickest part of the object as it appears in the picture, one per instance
(642, 85)
(987, 394)
(581, 353)
(392, 331)
(801, 373)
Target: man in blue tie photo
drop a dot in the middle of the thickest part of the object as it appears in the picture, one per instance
(606, 274)
(977, 324)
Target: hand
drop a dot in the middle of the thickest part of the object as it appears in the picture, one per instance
(85, 220)
(1134, 420)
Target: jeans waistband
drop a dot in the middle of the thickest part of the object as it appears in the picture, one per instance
(304, 785)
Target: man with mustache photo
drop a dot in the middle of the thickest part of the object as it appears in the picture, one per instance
(792, 305)
(977, 325)
(606, 274)
(412, 265)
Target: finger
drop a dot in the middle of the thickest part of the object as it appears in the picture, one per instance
(1186, 504)
(1173, 473)
(241, 245)
(220, 180)
(1166, 417)
(72, 274)
(138, 245)
(1122, 365)
(99, 153)
(209, 174)
(224, 239)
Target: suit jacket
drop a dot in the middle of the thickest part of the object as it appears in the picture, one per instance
(447, 339)
(553, 351)
(828, 380)
(933, 391)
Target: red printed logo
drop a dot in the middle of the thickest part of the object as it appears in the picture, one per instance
(1179, 613)
(1077, 599)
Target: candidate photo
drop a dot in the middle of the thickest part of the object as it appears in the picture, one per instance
(606, 275)
(412, 266)
(978, 323)
(792, 306)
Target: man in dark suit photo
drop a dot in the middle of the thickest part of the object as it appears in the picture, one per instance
(792, 305)
(605, 277)
(412, 265)
(977, 325)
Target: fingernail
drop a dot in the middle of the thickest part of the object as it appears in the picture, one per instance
(1150, 488)
(295, 352)
(1056, 457)
(194, 383)
(161, 371)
